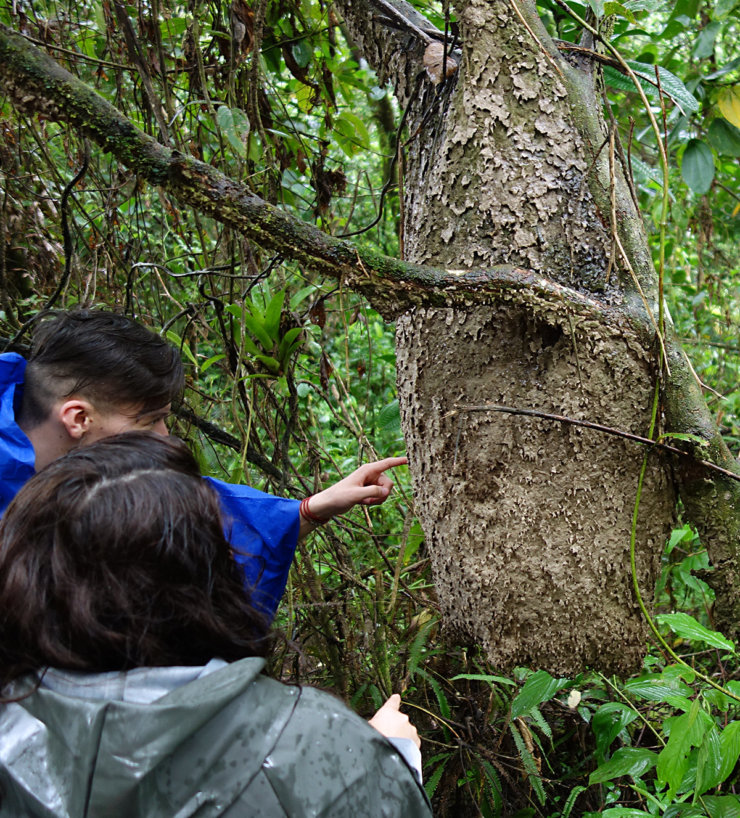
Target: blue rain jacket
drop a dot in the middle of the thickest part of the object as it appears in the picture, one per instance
(262, 528)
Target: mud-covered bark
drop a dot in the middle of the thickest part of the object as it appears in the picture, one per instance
(504, 176)
(529, 520)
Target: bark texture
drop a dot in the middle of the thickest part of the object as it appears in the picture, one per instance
(515, 293)
(528, 521)
(503, 175)
(529, 525)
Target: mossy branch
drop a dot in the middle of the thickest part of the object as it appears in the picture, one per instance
(38, 85)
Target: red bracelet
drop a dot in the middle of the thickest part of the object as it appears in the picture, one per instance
(307, 514)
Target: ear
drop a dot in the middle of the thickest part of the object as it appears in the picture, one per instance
(76, 416)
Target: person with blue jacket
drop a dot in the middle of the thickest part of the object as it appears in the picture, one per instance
(94, 373)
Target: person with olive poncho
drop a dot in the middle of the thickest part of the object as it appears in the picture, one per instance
(131, 661)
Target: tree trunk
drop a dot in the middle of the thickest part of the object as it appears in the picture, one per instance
(528, 522)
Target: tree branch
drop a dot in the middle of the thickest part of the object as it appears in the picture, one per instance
(37, 84)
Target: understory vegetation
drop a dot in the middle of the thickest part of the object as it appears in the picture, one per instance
(291, 380)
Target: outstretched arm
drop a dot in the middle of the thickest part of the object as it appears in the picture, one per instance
(367, 485)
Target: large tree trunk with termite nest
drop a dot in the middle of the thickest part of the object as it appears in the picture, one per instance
(528, 521)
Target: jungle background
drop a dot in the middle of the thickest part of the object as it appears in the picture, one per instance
(291, 380)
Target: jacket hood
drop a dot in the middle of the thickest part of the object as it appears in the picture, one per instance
(224, 741)
(67, 756)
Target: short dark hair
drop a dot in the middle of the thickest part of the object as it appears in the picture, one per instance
(103, 356)
(114, 557)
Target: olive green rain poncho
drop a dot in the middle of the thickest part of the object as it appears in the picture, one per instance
(222, 740)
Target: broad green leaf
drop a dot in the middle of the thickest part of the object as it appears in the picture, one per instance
(724, 137)
(687, 627)
(722, 806)
(353, 128)
(684, 811)
(733, 687)
(299, 297)
(269, 363)
(614, 7)
(608, 722)
(656, 689)
(686, 437)
(234, 125)
(257, 328)
(685, 8)
(389, 417)
(302, 51)
(597, 6)
(289, 343)
(250, 346)
(671, 85)
(705, 41)
(539, 687)
(727, 68)
(644, 172)
(206, 365)
(686, 731)
(173, 27)
(697, 166)
(729, 741)
(184, 348)
(623, 812)
(633, 761)
(644, 5)
(272, 315)
(305, 98)
(729, 104)
(485, 677)
(678, 535)
(709, 762)
(722, 8)
(98, 16)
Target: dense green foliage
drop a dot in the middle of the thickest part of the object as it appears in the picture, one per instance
(291, 379)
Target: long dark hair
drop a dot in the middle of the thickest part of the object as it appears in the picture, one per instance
(103, 356)
(114, 557)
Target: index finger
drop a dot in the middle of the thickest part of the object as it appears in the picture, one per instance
(387, 463)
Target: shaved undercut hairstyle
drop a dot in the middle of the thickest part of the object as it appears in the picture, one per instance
(103, 357)
(114, 557)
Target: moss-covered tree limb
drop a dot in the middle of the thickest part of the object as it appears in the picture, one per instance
(39, 85)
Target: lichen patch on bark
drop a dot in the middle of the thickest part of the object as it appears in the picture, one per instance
(509, 126)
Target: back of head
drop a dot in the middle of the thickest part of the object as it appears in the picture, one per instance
(102, 356)
(114, 557)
